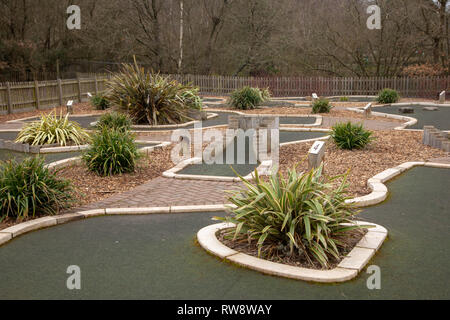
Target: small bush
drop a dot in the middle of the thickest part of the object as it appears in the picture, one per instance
(300, 214)
(100, 102)
(248, 98)
(388, 96)
(191, 99)
(52, 129)
(28, 189)
(343, 99)
(321, 106)
(351, 136)
(115, 121)
(112, 152)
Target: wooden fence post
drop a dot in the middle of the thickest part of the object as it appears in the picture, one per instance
(8, 95)
(36, 94)
(79, 89)
(96, 85)
(60, 92)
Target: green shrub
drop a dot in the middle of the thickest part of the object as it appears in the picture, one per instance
(191, 99)
(100, 102)
(115, 121)
(248, 98)
(388, 96)
(28, 189)
(343, 99)
(351, 136)
(321, 106)
(147, 97)
(112, 152)
(301, 213)
(53, 129)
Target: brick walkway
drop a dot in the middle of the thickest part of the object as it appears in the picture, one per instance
(163, 192)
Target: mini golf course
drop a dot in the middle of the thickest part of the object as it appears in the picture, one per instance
(156, 256)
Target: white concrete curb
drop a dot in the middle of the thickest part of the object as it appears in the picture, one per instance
(347, 269)
(12, 232)
(380, 191)
(264, 169)
(410, 121)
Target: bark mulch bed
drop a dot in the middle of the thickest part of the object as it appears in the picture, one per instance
(338, 113)
(92, 188)
(78, 109)
(390, 149)
(281, 255)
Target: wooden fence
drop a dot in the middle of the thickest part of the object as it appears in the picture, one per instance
(305, 86)
(25, 96)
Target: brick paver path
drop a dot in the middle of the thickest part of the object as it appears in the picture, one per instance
(163, 192)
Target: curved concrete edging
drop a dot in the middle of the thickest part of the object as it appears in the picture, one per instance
(12, 232)
(23, 120)
(264, 169)
(168, 127)
(346, 270)
(410, 121)
(380, 191)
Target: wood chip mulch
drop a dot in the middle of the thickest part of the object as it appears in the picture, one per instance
(390, 149)
(78, 109)
(337, 113)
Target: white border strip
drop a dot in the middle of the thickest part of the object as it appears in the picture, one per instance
(264, 169)
(346, 270)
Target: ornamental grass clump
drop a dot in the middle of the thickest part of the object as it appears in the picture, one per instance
(115, 121)
(29, 189)
(150, 98)
(248, 98)
(51, 129)
(302, 214)
(112, 152)
(321, 106)
(351, 136)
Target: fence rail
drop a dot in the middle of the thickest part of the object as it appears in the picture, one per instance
(25, 96)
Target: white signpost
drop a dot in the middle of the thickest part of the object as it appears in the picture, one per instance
(368, 110)
(315, 97)
(89, 95)
(69, 106)
(442, 97)
(316, 155)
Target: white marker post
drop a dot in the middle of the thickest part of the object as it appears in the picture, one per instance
(442, 97)
(69, 106)
(368, 110)
(89, 95)
(316, 155)
(315, 97)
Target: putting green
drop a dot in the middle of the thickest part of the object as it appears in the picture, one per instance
(440, 118)
(156, 256)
